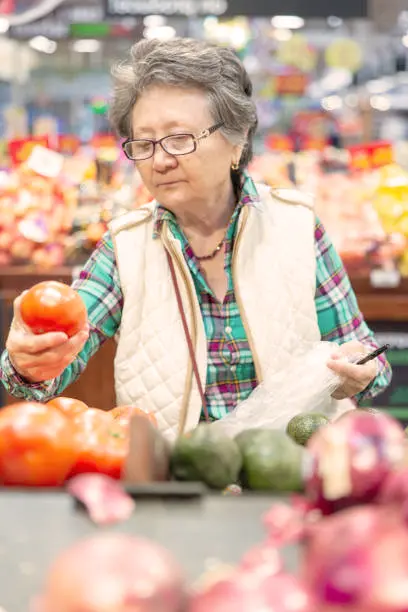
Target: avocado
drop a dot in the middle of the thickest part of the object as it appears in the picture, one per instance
(206, 455)
(271, 461)
(304, 425)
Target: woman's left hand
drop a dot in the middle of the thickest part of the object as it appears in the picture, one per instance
(356, 377)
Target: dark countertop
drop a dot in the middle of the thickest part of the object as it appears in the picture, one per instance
(35, 527)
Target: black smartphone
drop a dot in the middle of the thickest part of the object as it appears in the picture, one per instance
(373, 354)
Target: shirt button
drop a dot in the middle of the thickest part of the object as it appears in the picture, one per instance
(233, 368)
(228, 330)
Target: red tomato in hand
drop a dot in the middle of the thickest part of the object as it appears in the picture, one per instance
(123, 414)
(36, 445)
(68, 405)
(51, 307)
(100, 447)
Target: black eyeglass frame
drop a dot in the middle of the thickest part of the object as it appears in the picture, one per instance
(204, 134)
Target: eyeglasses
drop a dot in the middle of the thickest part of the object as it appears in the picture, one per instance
(178, 144)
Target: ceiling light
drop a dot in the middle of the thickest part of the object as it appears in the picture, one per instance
(405, 40)
(162, 33)
(43, 44)
(154, 21)
(287, 22)
(380, 103)
(332, 103)
(334, 22)
(4, 25)
(335, 79)
(86, 45)
(282, 35)
(379, 86)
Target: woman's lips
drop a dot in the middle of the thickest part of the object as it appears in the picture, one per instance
(169, 183)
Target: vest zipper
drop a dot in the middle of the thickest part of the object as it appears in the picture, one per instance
(189, 377)
(242, 222)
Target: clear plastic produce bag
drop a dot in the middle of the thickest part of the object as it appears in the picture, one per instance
(305, 384)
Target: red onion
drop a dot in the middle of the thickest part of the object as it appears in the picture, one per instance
(104, 498)
(394, 491)
(351, 458)
(357, 561)
(113, 573)
(286, 524)
(253, 591)
(264, 556)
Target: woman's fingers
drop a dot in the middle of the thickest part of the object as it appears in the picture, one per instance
(350, 349)
(39, 357)
(55, 352)
(34, 344)
(353, 371)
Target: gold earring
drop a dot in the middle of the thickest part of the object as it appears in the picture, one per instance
(234, 166)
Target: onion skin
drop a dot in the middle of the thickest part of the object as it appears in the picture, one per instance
(394, 491)
(253, 591)
(351, 458)
(103, 497)
(264, 556)
(113, 573)
(357, 561)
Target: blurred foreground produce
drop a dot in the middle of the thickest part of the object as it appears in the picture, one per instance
(271, 461)
(352, 458)
(206, 455)
(351, 526)
(302, 427)
(113, 572)
(42, 445)
(36, 445)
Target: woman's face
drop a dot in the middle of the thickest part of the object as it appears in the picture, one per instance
(179, 181)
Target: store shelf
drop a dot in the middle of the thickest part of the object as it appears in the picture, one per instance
(214, 527)
(377, 304)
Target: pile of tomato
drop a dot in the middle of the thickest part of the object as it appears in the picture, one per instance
(43, 445)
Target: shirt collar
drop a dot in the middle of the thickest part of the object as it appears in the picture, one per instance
(249, 197)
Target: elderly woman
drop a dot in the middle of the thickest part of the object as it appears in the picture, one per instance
(215, 281)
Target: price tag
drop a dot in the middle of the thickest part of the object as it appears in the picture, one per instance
(385, 279)
(75, 168)
(45, 162)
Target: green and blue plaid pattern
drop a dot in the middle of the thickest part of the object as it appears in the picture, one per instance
(231, 372)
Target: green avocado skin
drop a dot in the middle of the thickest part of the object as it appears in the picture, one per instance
(302, 427)
(206, 455)
(271, 461)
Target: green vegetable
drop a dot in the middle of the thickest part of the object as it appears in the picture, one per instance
(271, 461)
(302, 427)
(206, 455)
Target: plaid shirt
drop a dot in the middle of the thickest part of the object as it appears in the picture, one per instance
(231, 372)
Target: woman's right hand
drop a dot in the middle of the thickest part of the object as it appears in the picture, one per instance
(41, 357)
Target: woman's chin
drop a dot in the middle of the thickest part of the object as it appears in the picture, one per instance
(173, 196)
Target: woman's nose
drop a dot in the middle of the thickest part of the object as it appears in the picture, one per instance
(162, 160)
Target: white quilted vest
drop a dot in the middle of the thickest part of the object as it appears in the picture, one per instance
(274, 272)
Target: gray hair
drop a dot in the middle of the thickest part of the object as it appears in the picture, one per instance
(185, 62)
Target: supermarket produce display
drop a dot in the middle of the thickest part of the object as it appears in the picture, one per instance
(153, 546)
(49, 219)
(363, 208)
(296, 500)
(54, 208)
